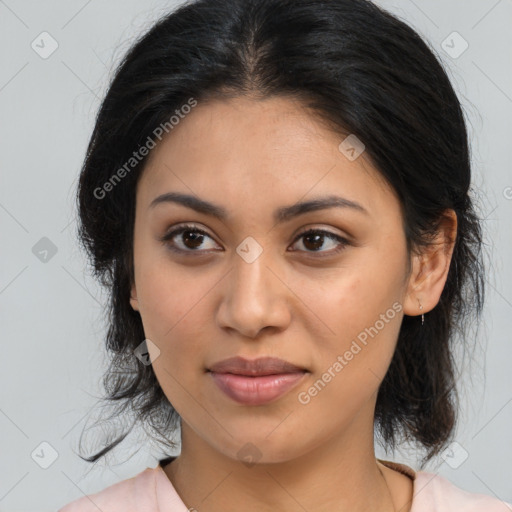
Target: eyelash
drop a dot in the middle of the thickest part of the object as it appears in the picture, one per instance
(166, 239)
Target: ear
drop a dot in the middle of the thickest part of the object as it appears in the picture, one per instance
(133, 298)
(430, 268)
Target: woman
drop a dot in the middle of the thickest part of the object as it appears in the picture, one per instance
(276, 196)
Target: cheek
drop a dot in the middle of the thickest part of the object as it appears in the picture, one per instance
(174, 319)
(172, 303)
(174, 324)
(351, 302)
(351, 365)
(363, 315)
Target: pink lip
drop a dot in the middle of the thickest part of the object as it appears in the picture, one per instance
(256, 390)
(257, 381)
(255, 367)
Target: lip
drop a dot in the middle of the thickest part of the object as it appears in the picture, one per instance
(257, 381)
(255, 367)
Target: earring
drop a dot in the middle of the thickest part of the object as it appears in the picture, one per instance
(422, 315)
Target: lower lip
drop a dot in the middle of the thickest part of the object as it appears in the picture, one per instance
(256, 390)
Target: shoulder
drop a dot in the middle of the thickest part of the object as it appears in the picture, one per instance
(133, 494)
(434, 492)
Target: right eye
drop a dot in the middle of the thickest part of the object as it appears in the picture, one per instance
(190, 243)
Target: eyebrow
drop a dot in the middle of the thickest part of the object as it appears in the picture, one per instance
(281, 215)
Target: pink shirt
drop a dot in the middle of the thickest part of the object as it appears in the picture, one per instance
(152, 491)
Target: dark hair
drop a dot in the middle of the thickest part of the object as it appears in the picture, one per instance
(363, 71)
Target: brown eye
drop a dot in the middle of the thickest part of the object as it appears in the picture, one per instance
(314, 240)
(190, 240)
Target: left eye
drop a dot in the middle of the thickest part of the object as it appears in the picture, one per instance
(314, 238)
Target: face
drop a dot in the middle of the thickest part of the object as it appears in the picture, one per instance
(253, 285)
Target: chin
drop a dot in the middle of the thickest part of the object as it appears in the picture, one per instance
(261, 448)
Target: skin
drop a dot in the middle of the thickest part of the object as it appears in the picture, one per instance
(251, 157)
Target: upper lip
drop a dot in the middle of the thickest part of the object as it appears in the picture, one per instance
(255, 367)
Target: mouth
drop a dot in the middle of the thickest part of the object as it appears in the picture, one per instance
(256, 382)
(255, 367)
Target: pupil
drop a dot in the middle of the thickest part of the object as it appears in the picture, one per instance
(316, 245)
(195, 238)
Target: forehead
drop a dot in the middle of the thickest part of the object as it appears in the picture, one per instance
(250, 154)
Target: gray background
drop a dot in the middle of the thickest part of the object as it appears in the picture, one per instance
(52, 311)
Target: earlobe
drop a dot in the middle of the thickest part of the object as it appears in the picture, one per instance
(430, 269)
(133, 299)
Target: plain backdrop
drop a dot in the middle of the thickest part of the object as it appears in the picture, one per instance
(51, 309)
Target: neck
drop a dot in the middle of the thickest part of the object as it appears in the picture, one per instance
(339, 475)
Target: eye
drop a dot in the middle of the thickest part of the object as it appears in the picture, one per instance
(314, 239)
(194, 238)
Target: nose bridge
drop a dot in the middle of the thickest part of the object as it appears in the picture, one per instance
(251, 273)
(249, 301)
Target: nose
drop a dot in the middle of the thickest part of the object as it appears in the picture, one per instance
(255, 296)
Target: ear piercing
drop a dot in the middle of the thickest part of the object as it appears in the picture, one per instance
(422, 315)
